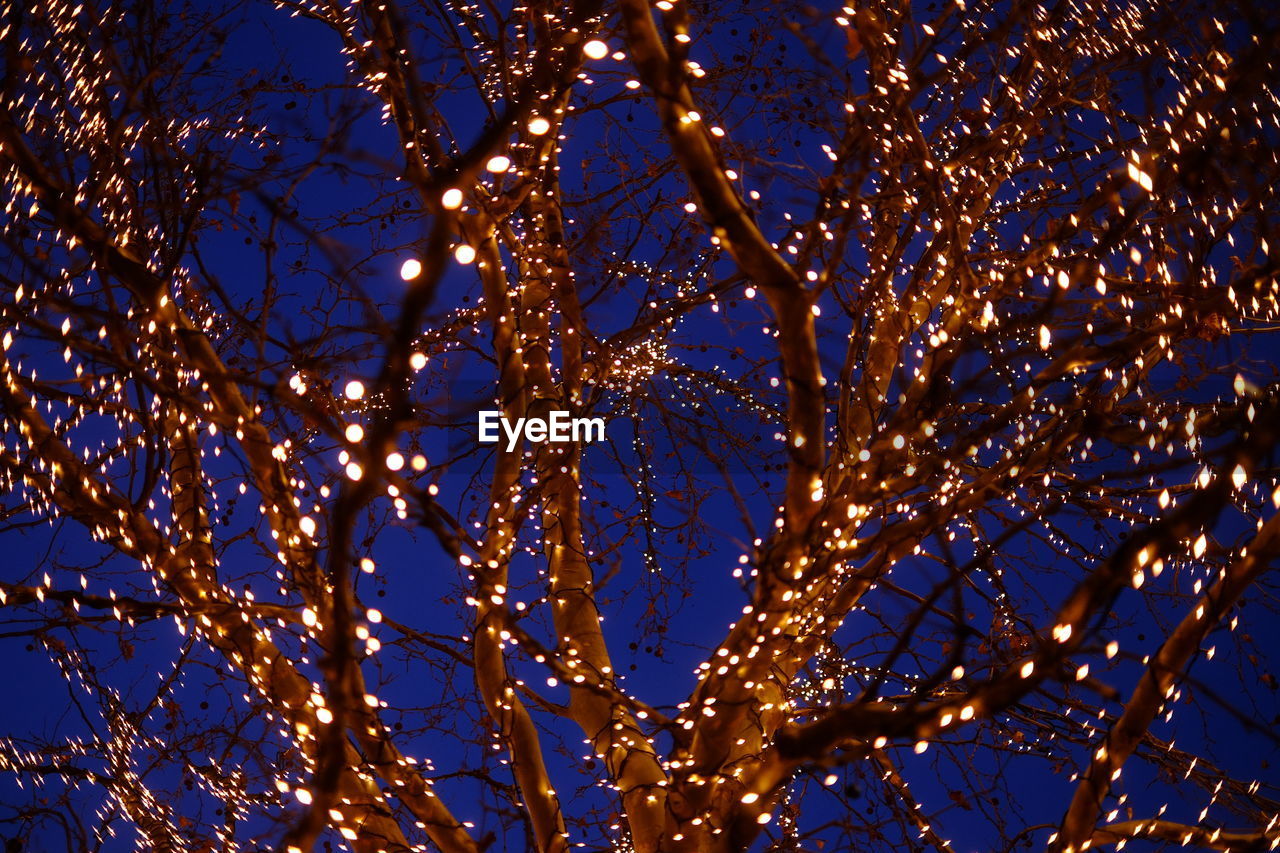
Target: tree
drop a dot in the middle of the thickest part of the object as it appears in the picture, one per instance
(936, 347)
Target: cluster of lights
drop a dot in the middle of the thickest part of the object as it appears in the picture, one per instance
(1074, 320)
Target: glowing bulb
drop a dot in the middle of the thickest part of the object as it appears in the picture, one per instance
(539, 125)
(411, 269)
(498, 164)
(354, 389)
(464, 254)
(595, 49)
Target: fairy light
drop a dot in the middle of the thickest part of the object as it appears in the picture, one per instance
(1018, 284)
(410, 269)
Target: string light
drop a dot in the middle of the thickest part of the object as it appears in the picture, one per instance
(917, 365)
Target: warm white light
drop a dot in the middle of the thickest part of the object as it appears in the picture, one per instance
(498, 164)
(595, 49)
(539, 125)
(452, 198)
(354, 389)
(464, 254)
(410, 269)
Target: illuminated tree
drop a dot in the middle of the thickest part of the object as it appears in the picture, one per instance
(936, 345)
